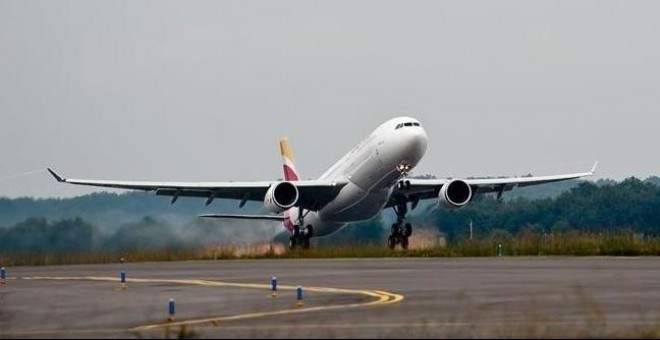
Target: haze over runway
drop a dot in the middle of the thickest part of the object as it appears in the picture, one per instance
(202, 91)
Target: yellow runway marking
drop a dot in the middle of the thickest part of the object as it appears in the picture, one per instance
(381, 298)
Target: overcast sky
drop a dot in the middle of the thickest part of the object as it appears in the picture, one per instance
(202, 91)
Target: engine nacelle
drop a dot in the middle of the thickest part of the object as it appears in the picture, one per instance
(455, 194)
(281, 196)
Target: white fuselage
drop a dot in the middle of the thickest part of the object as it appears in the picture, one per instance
(372, 169)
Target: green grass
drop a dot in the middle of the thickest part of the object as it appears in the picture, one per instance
(527, 244)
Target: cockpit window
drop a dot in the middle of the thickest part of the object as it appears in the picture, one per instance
(400, 125)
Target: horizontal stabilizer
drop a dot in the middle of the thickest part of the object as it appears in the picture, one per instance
(245, 217)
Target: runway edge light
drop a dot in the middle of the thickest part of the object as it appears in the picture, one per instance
(171, 310)
(122, 280)
(299, 297)
(273, 284)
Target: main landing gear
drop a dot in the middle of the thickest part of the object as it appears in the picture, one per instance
(301, 236)
(400, 231)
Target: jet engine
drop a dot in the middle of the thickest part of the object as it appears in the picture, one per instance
(454, 194)
(281, 196)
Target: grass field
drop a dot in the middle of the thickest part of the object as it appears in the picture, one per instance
(528, 244)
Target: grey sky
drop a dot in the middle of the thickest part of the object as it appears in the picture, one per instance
(202, 91)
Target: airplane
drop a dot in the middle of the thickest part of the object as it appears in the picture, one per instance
(371, 177)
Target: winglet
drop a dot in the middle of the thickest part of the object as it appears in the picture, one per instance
(57, 177)
(593, 168)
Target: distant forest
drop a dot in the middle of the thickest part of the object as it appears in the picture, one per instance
(136, 220)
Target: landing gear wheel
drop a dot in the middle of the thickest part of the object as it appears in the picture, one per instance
(407, 230)
(293, 242)
(305, 238)
(404, 242)
(391, 242)
(395, 228)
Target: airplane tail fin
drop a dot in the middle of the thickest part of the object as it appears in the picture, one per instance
(290, 173)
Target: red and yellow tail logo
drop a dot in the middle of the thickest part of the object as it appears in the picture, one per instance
(290, 173)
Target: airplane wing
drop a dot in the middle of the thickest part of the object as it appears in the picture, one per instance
(429, 188)
(313, 194)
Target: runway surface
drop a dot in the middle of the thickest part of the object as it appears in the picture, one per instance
(499, 297)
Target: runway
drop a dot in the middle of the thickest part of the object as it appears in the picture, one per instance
(343, 298)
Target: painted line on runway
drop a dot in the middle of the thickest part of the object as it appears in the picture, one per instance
(380, 298)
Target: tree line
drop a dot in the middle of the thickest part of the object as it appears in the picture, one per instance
(630, 205)
(84, 224)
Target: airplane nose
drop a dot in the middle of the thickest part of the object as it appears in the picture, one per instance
(419, 141)
(415, 142)
(405, 147)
